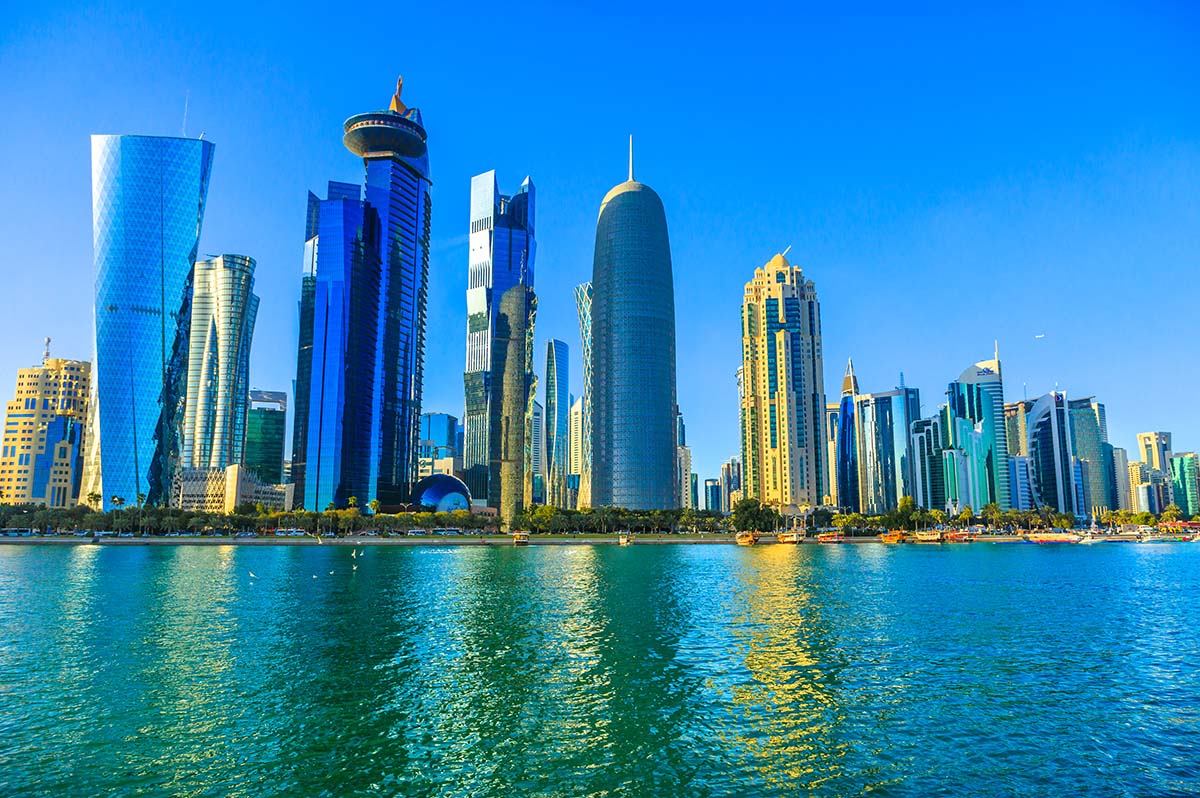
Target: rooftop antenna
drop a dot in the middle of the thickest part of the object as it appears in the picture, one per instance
(630, 157)
(186, 97)
(1025, 391)
(997, 350)
(46, 351)
(786, 251)
(902, 379)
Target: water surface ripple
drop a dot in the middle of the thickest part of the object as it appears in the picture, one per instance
(600, 671)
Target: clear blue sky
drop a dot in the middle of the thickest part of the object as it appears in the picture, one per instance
(946, 176)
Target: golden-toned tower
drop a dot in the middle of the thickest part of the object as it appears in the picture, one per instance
(783, 390)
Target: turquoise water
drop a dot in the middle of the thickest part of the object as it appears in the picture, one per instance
(600, 671)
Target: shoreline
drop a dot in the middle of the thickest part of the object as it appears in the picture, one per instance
(471, 540)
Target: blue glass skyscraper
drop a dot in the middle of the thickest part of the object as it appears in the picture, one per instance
(393, 147)
(362, 320)
(148, 196)
(336, 420)
(633, 352)
(847, 444)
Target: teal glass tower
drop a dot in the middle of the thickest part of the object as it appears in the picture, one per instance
(633, 352)
(148, 197)
(975, 404)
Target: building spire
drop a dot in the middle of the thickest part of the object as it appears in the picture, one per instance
(849, 382)
(630, 157)
(46, 352)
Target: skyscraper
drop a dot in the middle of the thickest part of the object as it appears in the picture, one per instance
(575, 467)
(832, 416)
(1089, 427)
(1051, 457)
(929, 480)
(977, 396)
(731, 483)
(535, 472)
(558, 423)
(633, 352)
(333, 456)
(847, 444)
(712, 496)
(1120, 470)
(41, 451)
(1015, 419)
(1185, 482)
(266, 429)
(1155, 448)
(783, 406)
(885, 462)
(224, 308)
(362, 320)
(583, 306)
(148, 196)
(501, 307)
(393, 147)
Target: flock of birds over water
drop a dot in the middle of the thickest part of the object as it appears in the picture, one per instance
(355, 554)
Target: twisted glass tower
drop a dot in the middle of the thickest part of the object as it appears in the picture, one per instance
(224, 307)
(148, 196)
(633, 352)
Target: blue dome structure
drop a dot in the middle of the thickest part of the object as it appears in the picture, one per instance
(442, 493)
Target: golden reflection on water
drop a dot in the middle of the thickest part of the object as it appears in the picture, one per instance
(789, 707)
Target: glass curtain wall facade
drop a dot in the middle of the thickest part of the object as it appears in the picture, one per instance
(847, 444)
(885, 468)
(148, 197)
(633, 351)
(783, 396)
(977, 397)
(1051, 458)
(1090, 444)
(394, 150)
(1185, 482)
(224, 308)
(333, 453)
(927, 444)
(558, 423)
(498, 381)
(266, 430)
(583, 308)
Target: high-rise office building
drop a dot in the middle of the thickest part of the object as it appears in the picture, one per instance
(1185, 482)
(1090, 428)
(333, 456)
(1150, 489)
(501, 307)
(266, 430)
(977, 397)
(535, 480)
(362, 320)
(731, 483)
(885, 461)
(1120, 471)
(583, 307)
(392, 144)
(832, 415)
(575, 465)
(437, 445)
(1155, 448)
(783, 407)
(1051, 457)
(683, 477)
(712, 496)
(1020, 480)
(847, 444)
(558, 423)
(148, 196)
(694, 479)
(217, 395)
(1016, 415)
(41, 451)
(633, 352)
(928, 444)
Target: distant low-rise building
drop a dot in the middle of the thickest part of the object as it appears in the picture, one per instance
(220, 490)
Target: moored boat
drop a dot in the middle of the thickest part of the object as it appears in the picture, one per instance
(1053, 536)
(958, 536)
(929, 536)
(745, 538)
(894, 536)
(520, 538)
(830, 537)
(790, 537)
(625, 539)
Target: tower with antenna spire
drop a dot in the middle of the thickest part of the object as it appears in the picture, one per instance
(633, 352)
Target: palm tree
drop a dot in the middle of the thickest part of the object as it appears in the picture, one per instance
(1171, 514)
(374, 505)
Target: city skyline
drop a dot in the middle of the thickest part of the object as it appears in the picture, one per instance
(1055, 200)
